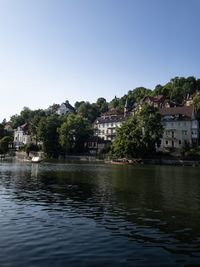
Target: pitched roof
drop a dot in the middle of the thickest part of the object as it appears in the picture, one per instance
(67, 104)
(186, 111)
(111, 112)
(111, 119)
(157, 98)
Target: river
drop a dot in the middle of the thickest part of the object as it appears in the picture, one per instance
(81, 214)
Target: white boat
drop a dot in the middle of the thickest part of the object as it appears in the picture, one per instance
(36, 159)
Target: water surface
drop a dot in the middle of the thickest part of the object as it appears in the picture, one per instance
(73, 214)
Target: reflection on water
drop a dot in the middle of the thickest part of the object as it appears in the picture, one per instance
(87, 214)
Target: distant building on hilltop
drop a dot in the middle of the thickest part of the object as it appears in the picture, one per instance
(8, 127)
(155, 101)
(65, 108)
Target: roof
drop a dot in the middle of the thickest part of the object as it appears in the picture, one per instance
(111, 112)
(111, 119)
(67, 104)
(186, 111)
(157, 98)
(24, 127)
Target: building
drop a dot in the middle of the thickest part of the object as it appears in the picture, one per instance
(181, 128)
(96, 145)
(65, 108)
(21, 136)
(8, 127)
(155, 101)
(105, 125)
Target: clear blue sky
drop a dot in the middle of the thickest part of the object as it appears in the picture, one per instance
(53, 50)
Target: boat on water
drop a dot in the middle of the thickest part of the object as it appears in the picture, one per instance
(36, 159)
(124, 161)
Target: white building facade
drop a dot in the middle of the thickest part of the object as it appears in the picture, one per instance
(21, 136)
(105, 126)
(180, 128)
(65, 108)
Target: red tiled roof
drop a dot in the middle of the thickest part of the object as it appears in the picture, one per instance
(112, 111)
(158, 98)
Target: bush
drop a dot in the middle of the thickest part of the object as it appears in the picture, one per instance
(193, 154)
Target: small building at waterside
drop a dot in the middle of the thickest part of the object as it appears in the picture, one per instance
(21, 136)
(96, 145)
(181, 128)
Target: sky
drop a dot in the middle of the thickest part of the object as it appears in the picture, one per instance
(54, 50)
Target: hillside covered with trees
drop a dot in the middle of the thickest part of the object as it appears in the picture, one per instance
(66, 134)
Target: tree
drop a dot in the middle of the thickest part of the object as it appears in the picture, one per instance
(4, 144)
(196, 102)
(48, 133)
(127, 142)
(73, 133)
(102, 105)
(137, 94)
(2, 131)
(139, 135)
(88, 111)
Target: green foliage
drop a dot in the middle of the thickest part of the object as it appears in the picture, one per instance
(66, 134)
(197, 106)
(88, 111)
(47, 132)
(192, 154)
(4, 144)
(138, 94)
(118, 104)
(73, 132)
(52, 110)
(2, 131)
(138, 136)
(102, 105)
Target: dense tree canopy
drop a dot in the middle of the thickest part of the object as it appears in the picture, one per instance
(139, 135)
(4, 144)
(89, 111)
(48, 133)
(73, 132)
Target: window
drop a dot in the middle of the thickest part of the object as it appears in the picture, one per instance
(179, 142)
(166, 142)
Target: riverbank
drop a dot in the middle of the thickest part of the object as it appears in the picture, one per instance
(173, 162)
(152, 161)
